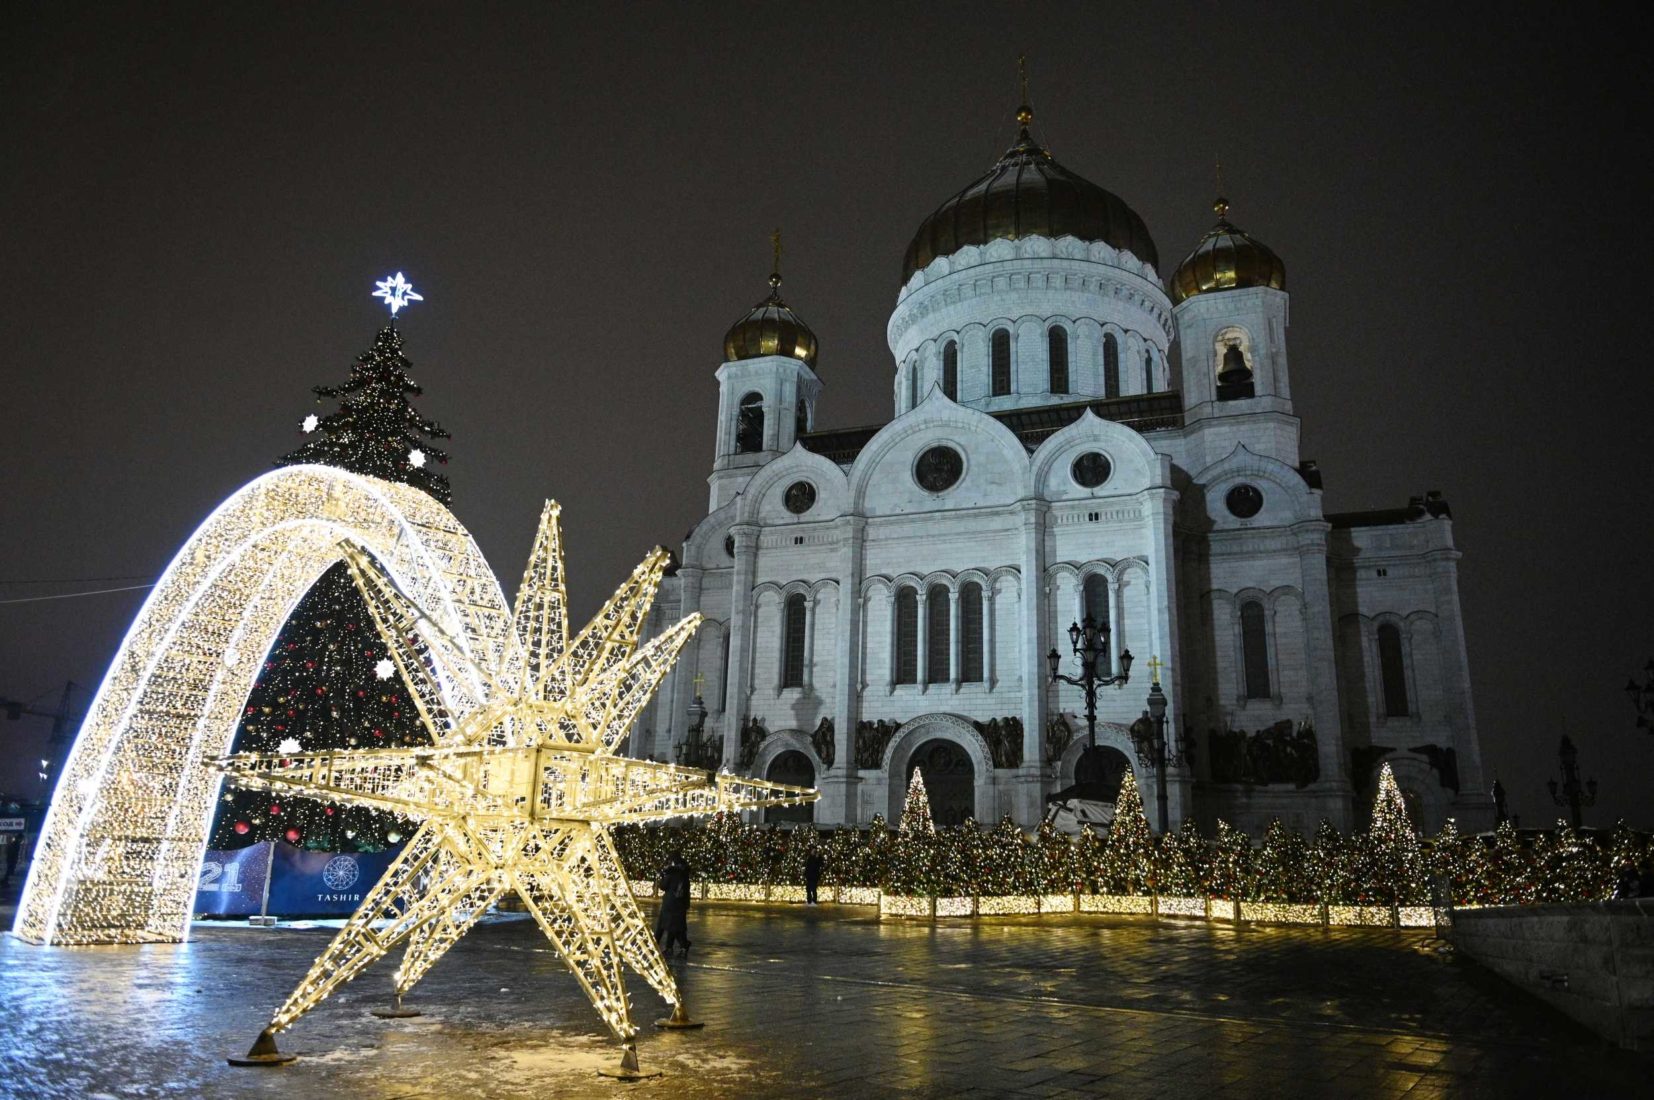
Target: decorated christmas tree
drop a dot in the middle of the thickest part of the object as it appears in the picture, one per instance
(1179, 859)
(327, 682)
(1282, 869)
(1129, 850)
(916, 810)
(1229, 873)
(1392, 869)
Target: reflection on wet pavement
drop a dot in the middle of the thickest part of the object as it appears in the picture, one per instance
(819, 1001)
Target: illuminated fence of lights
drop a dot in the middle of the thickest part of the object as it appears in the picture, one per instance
(1223, 910)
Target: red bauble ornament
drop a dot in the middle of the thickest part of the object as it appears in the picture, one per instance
(242, 828)
(328, 810)
(275, 807)
(292, 836)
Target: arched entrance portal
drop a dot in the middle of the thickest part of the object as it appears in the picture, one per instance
(794, 768)
(950, 780)
(117, 858)
(1099, 772)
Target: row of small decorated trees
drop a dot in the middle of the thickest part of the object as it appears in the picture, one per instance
(1388, 864)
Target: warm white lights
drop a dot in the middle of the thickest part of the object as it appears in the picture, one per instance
(517, 789)
(397, 292)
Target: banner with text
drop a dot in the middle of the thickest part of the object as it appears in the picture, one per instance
(318, 884)
(232, 883)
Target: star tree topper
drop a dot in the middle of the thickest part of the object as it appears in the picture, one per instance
(518, 788)
(397, 292)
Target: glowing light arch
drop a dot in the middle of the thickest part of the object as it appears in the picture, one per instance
(117, 857)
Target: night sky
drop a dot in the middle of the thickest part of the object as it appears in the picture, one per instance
(197, 201)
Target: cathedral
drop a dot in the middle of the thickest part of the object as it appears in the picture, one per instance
(1072, 437)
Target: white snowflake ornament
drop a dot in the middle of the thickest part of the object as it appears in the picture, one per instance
(290, 744)
(416, 458)
(310, 423)
(384, 669)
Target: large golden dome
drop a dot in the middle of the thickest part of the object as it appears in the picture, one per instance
(771, 328)
(1028, 194)
(1226, 259)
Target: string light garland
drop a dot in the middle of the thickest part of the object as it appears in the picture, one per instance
(516, 790)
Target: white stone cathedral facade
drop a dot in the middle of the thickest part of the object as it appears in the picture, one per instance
(1071, 435)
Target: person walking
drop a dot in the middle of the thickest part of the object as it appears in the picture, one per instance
(813, 864)
(672, 923)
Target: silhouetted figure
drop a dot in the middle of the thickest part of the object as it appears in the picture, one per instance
(812, 876)
(672, 923)
(1630, 883)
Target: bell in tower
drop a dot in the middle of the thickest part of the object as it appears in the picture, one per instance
(1235, 378)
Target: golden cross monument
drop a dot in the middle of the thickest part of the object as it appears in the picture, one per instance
(697, 680)
(516, 792)
(1155, 665)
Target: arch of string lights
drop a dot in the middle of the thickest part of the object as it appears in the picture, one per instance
(118, 854)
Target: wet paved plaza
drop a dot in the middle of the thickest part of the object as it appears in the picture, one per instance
(808, 1002)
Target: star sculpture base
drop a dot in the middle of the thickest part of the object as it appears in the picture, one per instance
(679, 1020)
(517, 790)
(628, 1069)
(263, 1052)
(395, 1011)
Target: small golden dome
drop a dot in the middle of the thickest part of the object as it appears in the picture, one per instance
(771, 328)
(1226, 259)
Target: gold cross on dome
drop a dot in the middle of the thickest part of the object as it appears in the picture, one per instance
(697, 680)
(1155, 665)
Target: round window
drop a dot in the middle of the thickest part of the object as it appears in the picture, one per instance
(1244, 501)
(1091, 469)
(938, 469)
(800, 497)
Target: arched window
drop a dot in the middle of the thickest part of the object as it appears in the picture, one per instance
(1001, 362)
(950, 370)
(723, 680)
(913, 384)
(1148, 372)
(801, 418)
(1058, 340)
(1096, 609)
(792, 642)
(1111, 365)
(970, 633)
(938, 636)
(749, 424)
(907, 636)
(1254, 650)
(1393, 668)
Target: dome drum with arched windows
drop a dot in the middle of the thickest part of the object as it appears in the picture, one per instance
(771, 328)
(1226, 259)
(1028, 194)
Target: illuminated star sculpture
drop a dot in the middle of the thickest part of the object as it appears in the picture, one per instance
(397, 292)
(517, 790)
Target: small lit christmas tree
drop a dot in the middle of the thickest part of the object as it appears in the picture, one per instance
(1229, 873)
(1512, 875)
(1128, 852)
(1331, 872)
(1283, 868)
(916, 810)
(1393, 869)
(1178, 861)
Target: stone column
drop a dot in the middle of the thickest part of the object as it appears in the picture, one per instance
(1035, 627)
(1161, 506)
(1455, 672)
(683, 679)
(740, 639)
(1323, 667)
(922, 603)
(838, 785)
(989, 637)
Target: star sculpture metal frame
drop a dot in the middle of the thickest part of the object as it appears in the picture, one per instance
(517, 790)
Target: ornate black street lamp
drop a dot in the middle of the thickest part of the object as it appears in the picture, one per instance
(1573, 793)
(1089, 640)
(1148, 735)
(1642, 697)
